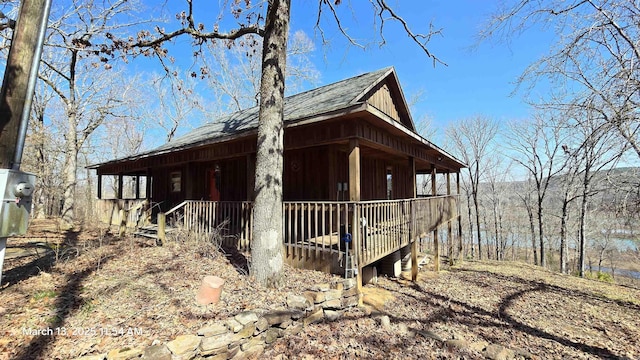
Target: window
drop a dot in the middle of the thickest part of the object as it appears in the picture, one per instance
(176, 178)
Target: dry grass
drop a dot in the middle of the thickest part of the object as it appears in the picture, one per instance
(116, 288)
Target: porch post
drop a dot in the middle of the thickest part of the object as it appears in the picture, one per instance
(137, 187)
(449, 225)
(148, 185)
(436, 241)
(354, 195)
(460, 247)
(413, 240)
(99, 186)
(354, 170)
(120, 186)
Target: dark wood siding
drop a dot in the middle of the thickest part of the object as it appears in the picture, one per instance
(306, 175)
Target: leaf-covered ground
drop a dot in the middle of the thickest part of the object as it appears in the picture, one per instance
(107, 293)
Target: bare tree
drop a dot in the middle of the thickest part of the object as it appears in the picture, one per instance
(273, 26)
(74, 69)
(596, 54)
(536, 145)
(597, 152)
(473, 140)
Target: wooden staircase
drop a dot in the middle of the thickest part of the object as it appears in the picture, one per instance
(151, 232)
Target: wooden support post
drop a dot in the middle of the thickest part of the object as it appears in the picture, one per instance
(137, 187)
(460, 247)
(148, 185)
(414, 244)
(449, 226)
(354, 170)
(99, 186)
(120, 186)
(123, 222)
(357, 248)
(436, 241)
(162, 223)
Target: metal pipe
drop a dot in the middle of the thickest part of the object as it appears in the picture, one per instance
(33, 77)
(3, 246)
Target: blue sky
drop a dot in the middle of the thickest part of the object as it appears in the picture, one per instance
(477, 79)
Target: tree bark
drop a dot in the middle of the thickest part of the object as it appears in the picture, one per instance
(563, 236)
(543, 261)
(267, 261)
(475, 204)
(69, 170)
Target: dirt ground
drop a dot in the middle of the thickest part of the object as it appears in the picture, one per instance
(105, 292)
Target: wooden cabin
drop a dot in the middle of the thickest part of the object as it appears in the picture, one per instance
(351, 160)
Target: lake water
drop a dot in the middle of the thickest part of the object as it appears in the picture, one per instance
(623, 272)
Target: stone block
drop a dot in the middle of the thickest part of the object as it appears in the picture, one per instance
(124, 354)
(216, 343)
(316, 316)
(350, 301)
(351, 292)
(349, 283)
(314, 297)
(251, 353)
(261, 325)
(321, 287)
(272, 335)
(157, 352)
(332, 315)
(253, 342)
(299, 302)
(279, 316)
(184, 344)
(332, 294)
(234, 325)
(334, 304)
(246, 317)
(285, 324)
(246, 332)
(213, 330)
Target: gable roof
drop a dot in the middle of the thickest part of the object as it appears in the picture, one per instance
(343, 95)
(320, 100)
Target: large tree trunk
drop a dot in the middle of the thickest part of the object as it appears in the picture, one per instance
(267, 262)
(543, 260)
(532, 228)
(563, 236)
(470, 226)
(583, 217)
(475, 204)
(70, 168)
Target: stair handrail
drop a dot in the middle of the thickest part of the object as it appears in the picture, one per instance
(176, 208)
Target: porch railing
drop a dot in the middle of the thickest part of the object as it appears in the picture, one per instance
(382, 227)
(130, 213)
(233, 221)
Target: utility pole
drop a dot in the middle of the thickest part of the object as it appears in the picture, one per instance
(20, 75)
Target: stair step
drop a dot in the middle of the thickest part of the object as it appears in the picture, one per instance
(147, 235)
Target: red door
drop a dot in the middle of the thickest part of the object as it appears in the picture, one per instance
(214, 193)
